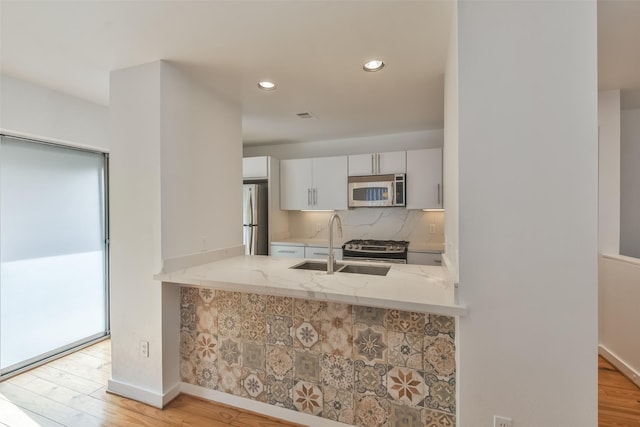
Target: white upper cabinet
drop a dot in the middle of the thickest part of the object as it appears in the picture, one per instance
(330, 186)
(377, 163)
(424, 179)
(255, 167)
(319, 183)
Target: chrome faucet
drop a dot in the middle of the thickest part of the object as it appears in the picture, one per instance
(331, 259)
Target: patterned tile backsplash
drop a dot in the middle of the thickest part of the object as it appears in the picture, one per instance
(359, 365)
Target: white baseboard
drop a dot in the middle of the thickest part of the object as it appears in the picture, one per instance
(620, 364)
(259, 407)
(143, 395)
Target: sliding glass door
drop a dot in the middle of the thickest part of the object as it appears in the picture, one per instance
(53, 250)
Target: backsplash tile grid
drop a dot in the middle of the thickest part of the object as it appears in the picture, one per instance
(359, 365)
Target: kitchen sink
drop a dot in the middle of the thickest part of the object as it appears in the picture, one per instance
(315, 265)
(375, 270)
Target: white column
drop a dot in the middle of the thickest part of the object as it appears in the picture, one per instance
(528, 182)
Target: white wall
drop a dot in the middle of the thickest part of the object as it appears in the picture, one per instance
(619, 279)
(135, 209)
(33, 111)
(346, 146)
(176, 154)
(450, 152)
(630, 183)
(609, 172)
(528, 212)
(200, 212)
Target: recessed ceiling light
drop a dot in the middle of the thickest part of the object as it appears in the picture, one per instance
(266, 85)
(375, 65)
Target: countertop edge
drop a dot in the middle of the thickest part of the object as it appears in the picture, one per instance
(448, 310)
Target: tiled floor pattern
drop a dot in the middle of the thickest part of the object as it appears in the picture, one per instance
(359, 365)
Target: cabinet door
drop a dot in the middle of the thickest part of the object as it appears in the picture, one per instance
(394, 162)
(424, 179)
(424, 258)
(330, 183)
(295, 184)
(317, 252)
(361, 164)
(287, 251)
(255, 167)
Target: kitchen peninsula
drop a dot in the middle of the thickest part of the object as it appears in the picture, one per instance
(350, 348)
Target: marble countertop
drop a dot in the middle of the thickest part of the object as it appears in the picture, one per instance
(420, 288)
(413, 246)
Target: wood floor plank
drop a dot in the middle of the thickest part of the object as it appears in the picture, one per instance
(46, 407)
(66, 379)
(618, 398)
(12, 415)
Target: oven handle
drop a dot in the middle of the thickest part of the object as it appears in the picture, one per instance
(377, 260)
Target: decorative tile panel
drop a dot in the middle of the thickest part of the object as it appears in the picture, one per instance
(229, 351)
(404, 321)
(338, 405)
(307, 366)
(405, 386)
(336, 371)
(358, 365)
(404, 416)
(405, 349)
(307, 398)
(253, 356)
(437, 325)
(431, 418)
(370, 343)
(281, 306)
(280, 392)
(255, 385)
(279, 361)
(370, 378)
(371, 411)
(280, 330)
(369, 315)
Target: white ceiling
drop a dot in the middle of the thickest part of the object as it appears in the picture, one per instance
(313, 50)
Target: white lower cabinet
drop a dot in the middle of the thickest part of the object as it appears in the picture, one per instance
(424, 258)
(287, 251)
(318, 252)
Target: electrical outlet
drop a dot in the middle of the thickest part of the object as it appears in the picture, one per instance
(432, 229)
(144, 348)
(318, 227)
(499, 421)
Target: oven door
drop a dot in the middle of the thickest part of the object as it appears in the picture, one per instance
(371, 191)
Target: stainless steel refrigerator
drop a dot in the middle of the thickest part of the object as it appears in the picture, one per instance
(255, 219)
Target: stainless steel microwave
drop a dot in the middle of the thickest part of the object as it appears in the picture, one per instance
(377, 190)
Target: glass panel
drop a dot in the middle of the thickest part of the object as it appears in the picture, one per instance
(52, 248)
(369, 194)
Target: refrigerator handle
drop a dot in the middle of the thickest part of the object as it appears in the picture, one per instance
(250, 241)
(251, 196)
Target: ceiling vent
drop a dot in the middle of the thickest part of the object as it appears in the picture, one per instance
(304, 115)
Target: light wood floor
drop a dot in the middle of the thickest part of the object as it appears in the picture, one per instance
(71, 391)
(618, 398)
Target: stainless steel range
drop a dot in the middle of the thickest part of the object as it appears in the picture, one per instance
(376, 250)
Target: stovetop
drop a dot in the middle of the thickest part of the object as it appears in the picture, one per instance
(376, 246)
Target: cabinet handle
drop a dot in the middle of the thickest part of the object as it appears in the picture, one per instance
(315, 196)
(282, 251)
(308, 197)
(378, 163)
(438, 194)
(373, 168)
(321, 253)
